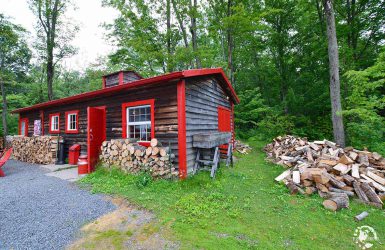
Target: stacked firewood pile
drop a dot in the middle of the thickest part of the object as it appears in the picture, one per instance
(133, 158)
(35, 149)
(333, 172)
(242, 148)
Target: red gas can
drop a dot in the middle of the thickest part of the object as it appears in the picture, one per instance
(74, 154)
(83, 164)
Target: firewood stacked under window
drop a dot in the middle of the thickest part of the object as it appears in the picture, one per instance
(335, 173)
(35, 149)
(133, 158)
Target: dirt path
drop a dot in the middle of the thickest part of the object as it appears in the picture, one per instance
(125, 228)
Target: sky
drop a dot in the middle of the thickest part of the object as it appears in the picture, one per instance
(89, 15)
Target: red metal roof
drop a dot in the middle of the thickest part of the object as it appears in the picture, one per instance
(217, 72)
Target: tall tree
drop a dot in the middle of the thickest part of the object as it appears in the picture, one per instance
(193, 29)
(230, 43)
(54, 35)
(335, 96)
(14, 60)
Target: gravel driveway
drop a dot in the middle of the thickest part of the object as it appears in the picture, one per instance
(41, 212)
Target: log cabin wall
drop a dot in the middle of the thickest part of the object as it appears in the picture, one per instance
(203, 96)
(166, 120)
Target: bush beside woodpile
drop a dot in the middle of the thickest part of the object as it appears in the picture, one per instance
(333, 172)
(133, 158)
(35, 149)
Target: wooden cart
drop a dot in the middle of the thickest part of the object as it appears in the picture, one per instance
(212, 141)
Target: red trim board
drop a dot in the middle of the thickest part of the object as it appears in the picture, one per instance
(182, 154)
(104, 82)
(121, 78)
(150, 102)
(77, 122)
(42, 121)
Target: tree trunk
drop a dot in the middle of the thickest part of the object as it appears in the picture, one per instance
(4, 113)
(180, 22)
(168, 13)
(335, 96)
(193, 11)
(230, 45)
(50, 73)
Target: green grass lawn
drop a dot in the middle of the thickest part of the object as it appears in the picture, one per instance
(242, 208)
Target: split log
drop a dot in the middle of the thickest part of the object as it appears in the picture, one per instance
(333, 180)
(322, 188)
(296, 177)
(282, 176)
(155, 150)
(155, 143)
(361, 216)
(348, 179)
(375, 184)
(372, 196)
(360, 193)
(376, 178)
(336, 202)
(355, 171)
(310, 190)
(291, 186)
(337, 190)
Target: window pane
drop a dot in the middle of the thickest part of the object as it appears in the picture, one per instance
(56, 122)
(143, 132)
(72, 122)
(149, 132)
(139, 122)
(22, 128)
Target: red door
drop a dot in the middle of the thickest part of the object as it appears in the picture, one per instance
(224, 123)
(96, 134)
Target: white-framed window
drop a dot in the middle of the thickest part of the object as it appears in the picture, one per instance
(72, 122)
(22, 127)
(139, 122)
(54, 123)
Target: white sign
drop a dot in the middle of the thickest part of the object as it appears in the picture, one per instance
(365, 237)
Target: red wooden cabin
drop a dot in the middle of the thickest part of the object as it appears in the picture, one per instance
(171, 107)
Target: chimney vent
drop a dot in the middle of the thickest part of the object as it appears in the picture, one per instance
(120, 78)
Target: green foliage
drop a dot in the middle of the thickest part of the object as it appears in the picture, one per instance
(255, 119)
(242, 208)
(143, 180)
(14, 62)
(366, 105)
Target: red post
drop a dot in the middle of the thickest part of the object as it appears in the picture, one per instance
(42, 121)
(181, 95)
(121, 78)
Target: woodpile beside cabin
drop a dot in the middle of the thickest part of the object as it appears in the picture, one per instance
(171, 108)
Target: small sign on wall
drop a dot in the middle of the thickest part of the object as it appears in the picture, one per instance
(37, 127)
